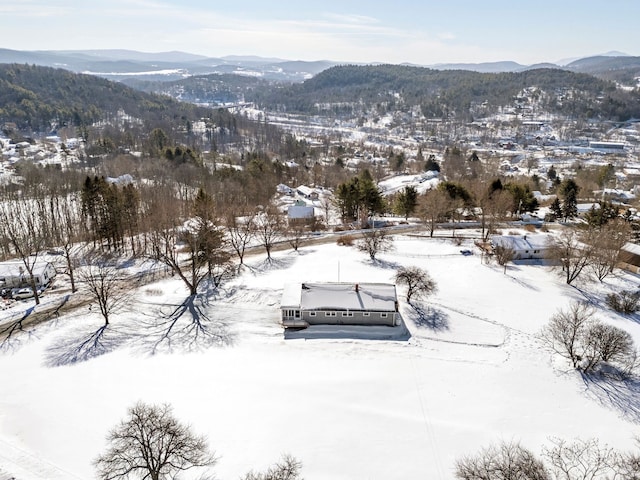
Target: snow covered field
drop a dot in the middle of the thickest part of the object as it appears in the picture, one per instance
(470, 373)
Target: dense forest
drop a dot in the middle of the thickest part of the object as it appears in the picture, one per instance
(41, 98)
(450, 92)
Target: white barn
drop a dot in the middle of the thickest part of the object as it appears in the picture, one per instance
(339, 304)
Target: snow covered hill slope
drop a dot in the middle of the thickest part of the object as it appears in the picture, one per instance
(471, 372)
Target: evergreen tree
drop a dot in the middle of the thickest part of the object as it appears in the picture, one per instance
(556, 209)
(431, 165)
(406, 201)
(569, 192)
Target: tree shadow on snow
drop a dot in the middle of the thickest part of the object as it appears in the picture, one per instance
(22, 327)
(272, 264)
(85, 344)
(376, 262)
(185, 328)
(428, 317)
(622, 395)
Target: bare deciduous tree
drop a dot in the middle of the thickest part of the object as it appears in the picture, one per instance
(433, 207)
(571, 253)
(269, 228)
(564, 331)
(629, 465)
(504, 255)
(607, 343)
(193, 250)
(286, 469)
(105, 284)
(507, 461)
(296, 233)
(418, 282)
(606, 244)
(587, 342)
(241, 229)
(152, 444)
(581, 460)
(20, 224)
(374, 241)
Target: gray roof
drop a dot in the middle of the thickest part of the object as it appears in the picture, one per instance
(376, 297)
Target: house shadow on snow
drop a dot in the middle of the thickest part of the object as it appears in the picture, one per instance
(621, 395)
(186, 327)
(398, 333)
(86, 343)
(428, 317)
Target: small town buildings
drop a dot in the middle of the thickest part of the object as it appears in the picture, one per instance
(339, 304)
(525, 247)
(14, 274)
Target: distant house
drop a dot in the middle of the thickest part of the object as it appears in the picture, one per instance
(339, 304)
(300, 213)
(282, 188)
(629, 257)
(607, 147)
(13, 274)
(307, 192)
(525, 247)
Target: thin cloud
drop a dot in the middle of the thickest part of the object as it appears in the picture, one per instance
(351, 19)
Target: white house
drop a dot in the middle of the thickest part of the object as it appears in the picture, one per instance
(14, 274)
(307, 192)
(339, 304)
(525, 247)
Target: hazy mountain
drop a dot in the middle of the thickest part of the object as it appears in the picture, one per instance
(484, 67)
(623, 69)
(121, 64)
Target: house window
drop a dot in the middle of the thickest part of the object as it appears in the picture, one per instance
(312, 314)
(329, 314)
(297, 312)
(365, 314)
(383, 315)
(347, 314)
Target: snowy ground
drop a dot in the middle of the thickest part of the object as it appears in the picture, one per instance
(469, 372)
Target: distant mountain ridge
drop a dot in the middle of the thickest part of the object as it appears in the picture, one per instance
(168, 66)
(121, 64)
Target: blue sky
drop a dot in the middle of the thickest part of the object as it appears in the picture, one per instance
(394, 31)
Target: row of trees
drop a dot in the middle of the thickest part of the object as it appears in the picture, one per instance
(563, 460)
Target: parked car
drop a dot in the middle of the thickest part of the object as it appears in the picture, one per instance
(22, 293)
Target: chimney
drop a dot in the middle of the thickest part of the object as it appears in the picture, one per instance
(356, 288)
